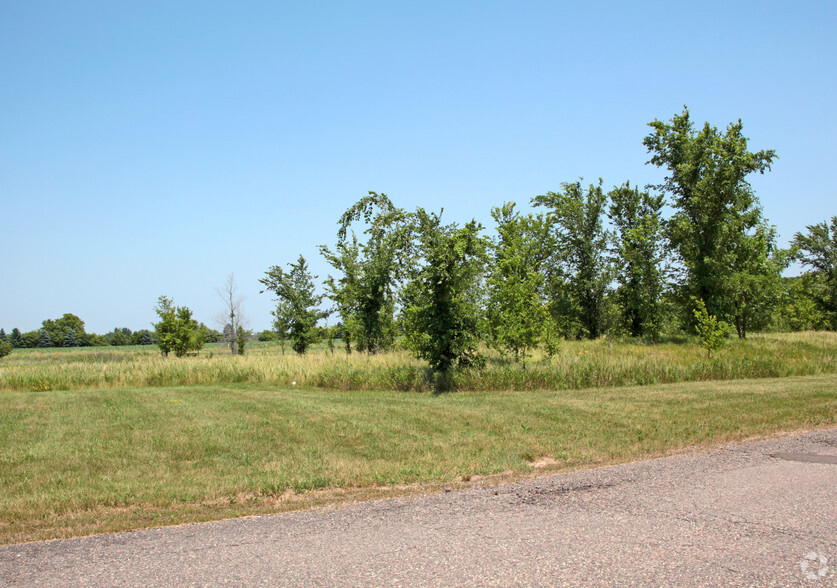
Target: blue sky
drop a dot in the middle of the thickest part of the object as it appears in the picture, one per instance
(153, 148)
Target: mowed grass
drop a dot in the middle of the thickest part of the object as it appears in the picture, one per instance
(579, 364)
(88, 461)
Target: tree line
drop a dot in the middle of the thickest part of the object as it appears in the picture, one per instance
(587, 262)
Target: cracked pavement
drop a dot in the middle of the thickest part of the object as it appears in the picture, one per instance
(762, 513)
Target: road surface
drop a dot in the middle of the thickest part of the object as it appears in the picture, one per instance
(762, 513)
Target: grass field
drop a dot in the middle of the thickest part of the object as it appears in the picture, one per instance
(579, 364)
(107, 456)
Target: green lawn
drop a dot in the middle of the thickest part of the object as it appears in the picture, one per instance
(87, 461)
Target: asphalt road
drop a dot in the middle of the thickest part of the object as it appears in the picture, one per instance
(756, 514)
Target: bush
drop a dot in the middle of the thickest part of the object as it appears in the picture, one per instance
(5, 348)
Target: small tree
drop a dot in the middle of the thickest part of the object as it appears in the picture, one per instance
(712, 332)
(241, 339)
(297, 303)
(16, 338)
(44, 340)
(232, 317)
(177, 331)
(5, 348)
(517, 312)
(70, 339)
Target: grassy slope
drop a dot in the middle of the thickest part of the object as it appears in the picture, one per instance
(87, 461)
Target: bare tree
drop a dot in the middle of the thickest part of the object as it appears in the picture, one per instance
(231, 319)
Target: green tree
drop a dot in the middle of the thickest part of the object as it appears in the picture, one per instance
(517, 312)
(580, 263)
(282, 318)
(117, 338)
(70, 339)
(441, 302)
(641, 255)
(365, 294)
(30, 339)
(5, 348)
(295, 294)
(16, 339)
(755, 284)
(241, 338)
(267, 336)
(57, 328)
(177, 330)
(3, 336)
(798, 308)
(712, 332)
(715, 208)
(44, 340)
(817, 249)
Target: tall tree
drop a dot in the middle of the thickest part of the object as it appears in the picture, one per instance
(372, 269)
(441, 303)
(517, 311)
(580, 261)
(715, 208)
(296, 289)
(641, 254)
(817, 249)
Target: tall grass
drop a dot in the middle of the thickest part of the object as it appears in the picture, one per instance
(583, 364)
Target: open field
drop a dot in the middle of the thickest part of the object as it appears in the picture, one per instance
(579, 364)
(88, 461)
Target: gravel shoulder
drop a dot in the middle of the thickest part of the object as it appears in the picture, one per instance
(758, 513)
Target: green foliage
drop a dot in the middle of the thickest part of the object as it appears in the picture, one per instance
(799, 308)
(144, 337)
(117, 338)
(712, 332)
(44, 340)
(57, 329)
(267, 336)
(371, 270)
(637, 217)
(441, 301)
(177, 331)
(3, 337)
(517, 312)
(70, 339)
(16, 338)
(580, 270)
(755, 284)
(297, 311)
(241, 338)
(817, 249)
(5, 348)
(715, 207)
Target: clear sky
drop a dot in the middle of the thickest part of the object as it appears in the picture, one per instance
(152, 148)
